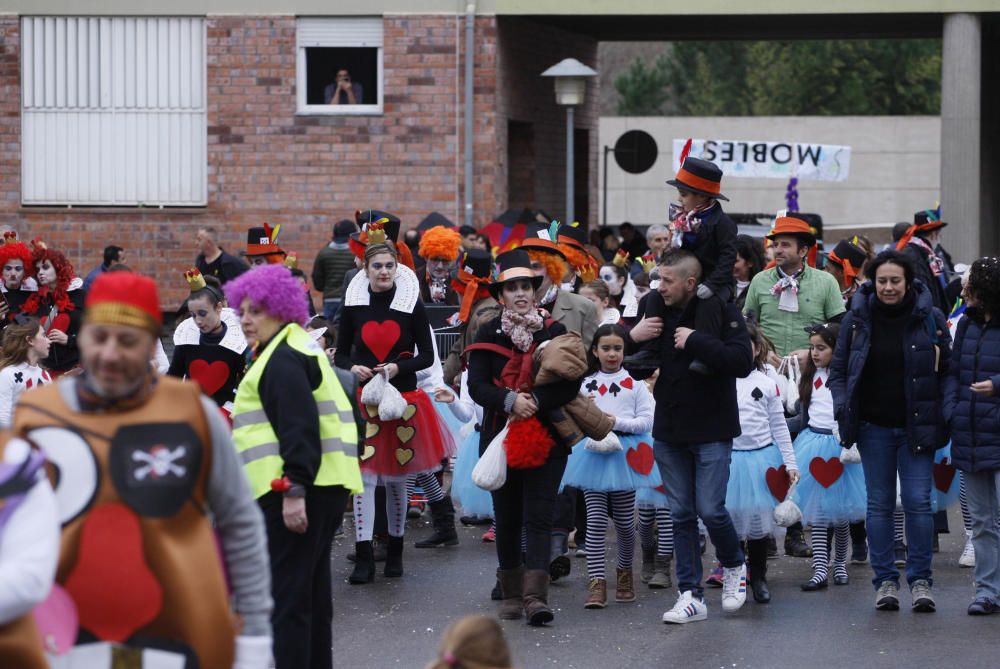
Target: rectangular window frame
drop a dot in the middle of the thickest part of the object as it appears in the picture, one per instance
(327, 32)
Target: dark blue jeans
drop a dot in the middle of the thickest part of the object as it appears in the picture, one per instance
(330, 309)
(884, 453)
(695, 477)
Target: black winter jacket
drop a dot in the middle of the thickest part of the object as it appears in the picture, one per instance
(715, 246)
(975, 418)
(926, 360)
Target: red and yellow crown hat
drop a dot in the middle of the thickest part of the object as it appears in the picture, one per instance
(124, 298)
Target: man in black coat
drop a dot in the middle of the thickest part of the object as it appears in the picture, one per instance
(695, 422)
(920, 244)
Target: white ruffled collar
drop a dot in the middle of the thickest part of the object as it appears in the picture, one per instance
(407, 290)
(188, 334)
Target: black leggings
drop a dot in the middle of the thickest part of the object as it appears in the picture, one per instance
(527, 500)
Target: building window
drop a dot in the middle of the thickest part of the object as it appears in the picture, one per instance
(113, 111)
(339, 65)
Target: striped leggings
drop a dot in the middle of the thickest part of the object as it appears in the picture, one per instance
(664, 536)
(622, 503)
(430, 485)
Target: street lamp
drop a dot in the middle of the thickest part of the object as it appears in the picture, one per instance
(571, 90)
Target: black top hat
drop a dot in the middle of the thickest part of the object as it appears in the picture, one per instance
(847, 251)
(700, 176)
(541, 237)
(573, 234)
(928, 220)
(261, 241)
(511, 265)
(365, 216)
(476, 263)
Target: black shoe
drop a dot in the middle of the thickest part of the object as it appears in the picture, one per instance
(983, 606)
(378, 548)
(443, 519)
(772, 548)
(812, 585)
(795, 544)
(364, 565)
(394, 558)
(475, 520)
(843, 579)
(859, 553)
(559, 562)
(899, 550)
(698, 367)
(761, 593)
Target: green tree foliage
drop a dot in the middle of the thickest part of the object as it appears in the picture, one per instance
(796, 78)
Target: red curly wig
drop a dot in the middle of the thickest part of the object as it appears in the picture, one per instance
(555, 267)
(64, 275)
(17, 251)
(440, 242)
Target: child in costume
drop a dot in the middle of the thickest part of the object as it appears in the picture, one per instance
(611, 477)
(831, 494)
(763, 464)
(24, 347)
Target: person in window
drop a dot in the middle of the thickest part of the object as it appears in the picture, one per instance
(344, 91)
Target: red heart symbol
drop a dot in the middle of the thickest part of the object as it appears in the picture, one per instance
(944, 474)
(60, 322)
(114, 590)
(627, 382)
(210, 375)
(826, 472)
(380, 337)
(641, 458)
(777, 482)
(661, 488)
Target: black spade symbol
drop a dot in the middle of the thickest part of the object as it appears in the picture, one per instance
(614, 389)
(756, 394)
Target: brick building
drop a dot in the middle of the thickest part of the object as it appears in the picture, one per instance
(128, 130)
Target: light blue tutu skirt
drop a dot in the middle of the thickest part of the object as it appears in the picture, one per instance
(448, 422)
(652, 498)
(829, 492)
(474, 500)
(944, 493)
(631, 468)
(752, 493)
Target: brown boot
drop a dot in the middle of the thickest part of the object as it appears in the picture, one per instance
(536, 597)
(598, 594)
(625, 590)
(510, 588)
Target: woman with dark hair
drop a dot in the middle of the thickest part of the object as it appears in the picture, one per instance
(500, 381)
(889, 377)
(749, 261)
(58, 304)
(209, 346)
(24, 347)
(974, 412)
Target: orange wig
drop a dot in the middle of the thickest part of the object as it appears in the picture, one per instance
(440, 242)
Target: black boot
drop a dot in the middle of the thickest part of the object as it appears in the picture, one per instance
(443, 519)
(394, 558)
(559, 564)
(757, 559)
(364, 564)
(795, 542)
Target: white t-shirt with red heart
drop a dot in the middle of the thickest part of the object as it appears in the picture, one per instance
(621, 396)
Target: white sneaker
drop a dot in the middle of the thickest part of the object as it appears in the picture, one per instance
(734, 588)
(686, 610)
(968, 557)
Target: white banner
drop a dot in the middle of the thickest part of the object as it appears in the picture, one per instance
(771, 160)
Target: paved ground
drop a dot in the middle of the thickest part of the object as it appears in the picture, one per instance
(398, 622)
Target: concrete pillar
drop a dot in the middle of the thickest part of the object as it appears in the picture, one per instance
(961, 82)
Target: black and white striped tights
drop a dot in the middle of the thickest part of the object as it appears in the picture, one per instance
(821, 551)
(623, 509)
(650, 518)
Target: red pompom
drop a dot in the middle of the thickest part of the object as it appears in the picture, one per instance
(528, 444)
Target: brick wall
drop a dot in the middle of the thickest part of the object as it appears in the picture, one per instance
(307, 172)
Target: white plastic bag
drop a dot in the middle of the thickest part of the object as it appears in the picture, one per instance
(851, 456)
(788, 512)
(790, 368)
(490, 473)
(609, 444)
(393, 405)
(371, 394)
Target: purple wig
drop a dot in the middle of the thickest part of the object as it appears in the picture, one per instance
(273, 289)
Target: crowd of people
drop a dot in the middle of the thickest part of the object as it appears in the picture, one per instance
(700, 384)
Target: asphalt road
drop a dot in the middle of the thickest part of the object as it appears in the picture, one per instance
(398, 622)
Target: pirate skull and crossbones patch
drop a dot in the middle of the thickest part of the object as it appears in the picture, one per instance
(155, 466)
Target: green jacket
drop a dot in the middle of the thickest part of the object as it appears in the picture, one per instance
(819, 301)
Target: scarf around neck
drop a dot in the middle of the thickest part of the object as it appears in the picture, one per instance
(688, 223)
(786, 288)
(520, 329)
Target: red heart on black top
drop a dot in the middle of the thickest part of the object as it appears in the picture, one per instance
(380, 337)
(944, 474)
(777, 482)
(211, 376)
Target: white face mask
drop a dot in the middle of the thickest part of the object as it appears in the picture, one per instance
(614, 283)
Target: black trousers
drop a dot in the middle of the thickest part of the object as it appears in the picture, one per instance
(528, 500)
(300, 578)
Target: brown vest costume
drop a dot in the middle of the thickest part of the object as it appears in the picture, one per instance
(137, 554)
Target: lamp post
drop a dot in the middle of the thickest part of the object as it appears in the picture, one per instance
(571, 90)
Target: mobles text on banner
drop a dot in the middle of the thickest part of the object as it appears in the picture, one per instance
(771, 160)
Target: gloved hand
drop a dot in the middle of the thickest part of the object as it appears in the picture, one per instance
(252, 652)
(704, 292)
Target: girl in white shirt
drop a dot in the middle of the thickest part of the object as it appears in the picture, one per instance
(24, 345)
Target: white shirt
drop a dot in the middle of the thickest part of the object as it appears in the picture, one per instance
(14, 380)
(621, 396)
(762, 417)
(821, 403)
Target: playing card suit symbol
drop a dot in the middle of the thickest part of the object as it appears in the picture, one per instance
(592, 386)
(371, 410)
(777, 482)
(756, 394)
(614, 389)
(371, 429)
(602, 389)
(211, 376)
(368, 453)
(380, 337)
(405, 433)
(944, 474)
(826, 472)
(409, 411)
(662, 489)
(818, 383)
(641, 458)
(403, 456)
(627, 382)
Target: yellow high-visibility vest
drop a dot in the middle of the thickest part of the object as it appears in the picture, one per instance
(257, 442)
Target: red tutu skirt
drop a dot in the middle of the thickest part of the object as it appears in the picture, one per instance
(397, 449)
